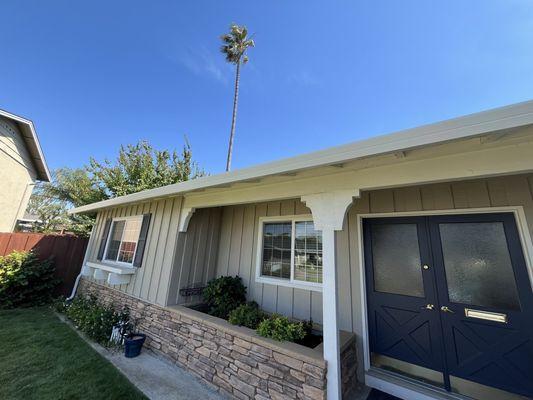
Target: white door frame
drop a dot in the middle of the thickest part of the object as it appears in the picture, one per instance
(404, 388)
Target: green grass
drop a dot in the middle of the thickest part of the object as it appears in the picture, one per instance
(43, 358)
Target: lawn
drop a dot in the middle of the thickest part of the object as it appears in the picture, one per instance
(43, 358)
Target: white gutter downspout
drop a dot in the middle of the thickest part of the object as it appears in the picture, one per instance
(77, 282)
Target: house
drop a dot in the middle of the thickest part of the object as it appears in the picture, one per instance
(22, 163)
(417, 245)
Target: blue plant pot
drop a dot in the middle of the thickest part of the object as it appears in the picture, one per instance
(133, 345)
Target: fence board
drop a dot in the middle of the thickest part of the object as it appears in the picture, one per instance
(66, 251)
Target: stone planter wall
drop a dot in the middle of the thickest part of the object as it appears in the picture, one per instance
(234, 360)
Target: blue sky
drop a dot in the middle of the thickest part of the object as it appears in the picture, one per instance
(97, 74)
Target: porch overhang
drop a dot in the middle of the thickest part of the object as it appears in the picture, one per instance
(331, 169)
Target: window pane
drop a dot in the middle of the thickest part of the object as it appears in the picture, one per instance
(114, 240)
(396, 258)
(277, 250)
(478, 267)
(129, 241)
(307, 252)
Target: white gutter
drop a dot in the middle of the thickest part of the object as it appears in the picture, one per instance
(508, 117)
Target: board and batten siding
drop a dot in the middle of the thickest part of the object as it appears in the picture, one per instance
(172, 260)
(515, 190)
(239, 236)
(195, 256)
(224, 241)
(237, 256)
(150, 282)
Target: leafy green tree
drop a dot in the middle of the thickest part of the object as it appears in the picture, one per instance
(137, 167)
(140, 167)
(234, 47)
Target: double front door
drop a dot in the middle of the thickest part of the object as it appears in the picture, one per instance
(450, 301)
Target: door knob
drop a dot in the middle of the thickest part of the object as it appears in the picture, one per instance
(428, 307)
(447, 309)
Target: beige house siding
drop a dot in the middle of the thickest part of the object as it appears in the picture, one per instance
(17, 175)
(224, 241)
(237, 256)
(150, 282)
(195, 256)
(502, 191)
(171, 260)
(239, 235)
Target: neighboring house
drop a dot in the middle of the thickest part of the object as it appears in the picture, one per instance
(22, 163)
(417, 243)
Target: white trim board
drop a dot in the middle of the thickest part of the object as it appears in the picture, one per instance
(401, 387)
(474, 125)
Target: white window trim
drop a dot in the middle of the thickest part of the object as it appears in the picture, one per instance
(292, 283)
(121, 263)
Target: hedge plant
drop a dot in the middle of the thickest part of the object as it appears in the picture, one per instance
(223, 295)
(93, 318)
(281, 329)
(248, 315)
(25, 280)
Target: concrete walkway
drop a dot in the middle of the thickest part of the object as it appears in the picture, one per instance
(157, 378)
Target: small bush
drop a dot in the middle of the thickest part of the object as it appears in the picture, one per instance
(280, 328)
(25, 280)
(248, 315)
(224, 295)
(94, 319)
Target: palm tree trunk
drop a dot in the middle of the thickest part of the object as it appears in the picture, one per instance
(234, 118)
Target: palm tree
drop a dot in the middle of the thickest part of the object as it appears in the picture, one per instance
(234, 46)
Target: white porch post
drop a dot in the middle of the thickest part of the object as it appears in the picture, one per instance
(329, 210)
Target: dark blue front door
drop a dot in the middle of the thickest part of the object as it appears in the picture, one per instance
(452, 294)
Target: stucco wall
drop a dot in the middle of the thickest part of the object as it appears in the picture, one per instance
(17, 174)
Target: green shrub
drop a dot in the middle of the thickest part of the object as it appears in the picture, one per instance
(248, 315)
(25, 280)
(94, 319)
(280, 328)
(224, 295)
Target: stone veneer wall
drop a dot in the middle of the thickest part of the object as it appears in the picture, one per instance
(234, 360)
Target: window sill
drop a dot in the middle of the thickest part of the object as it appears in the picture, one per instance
(117, 269)
(315, 287)
(113, 274)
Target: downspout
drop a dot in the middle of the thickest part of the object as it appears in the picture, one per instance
(77, 282)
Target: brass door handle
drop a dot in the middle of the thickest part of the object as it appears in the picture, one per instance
(447, 309)
(428, 307)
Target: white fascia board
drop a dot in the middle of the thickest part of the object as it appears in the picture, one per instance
(508, 117)
(29, 134)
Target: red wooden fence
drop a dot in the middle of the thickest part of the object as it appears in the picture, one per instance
(66, 251)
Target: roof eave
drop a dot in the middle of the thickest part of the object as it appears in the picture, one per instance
(473, 125)
(32, 144)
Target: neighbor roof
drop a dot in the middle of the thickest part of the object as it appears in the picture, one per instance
(472, 125)
(32, 144)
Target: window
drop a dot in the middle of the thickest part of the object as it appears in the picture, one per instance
(290, 252)
(122, 241)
